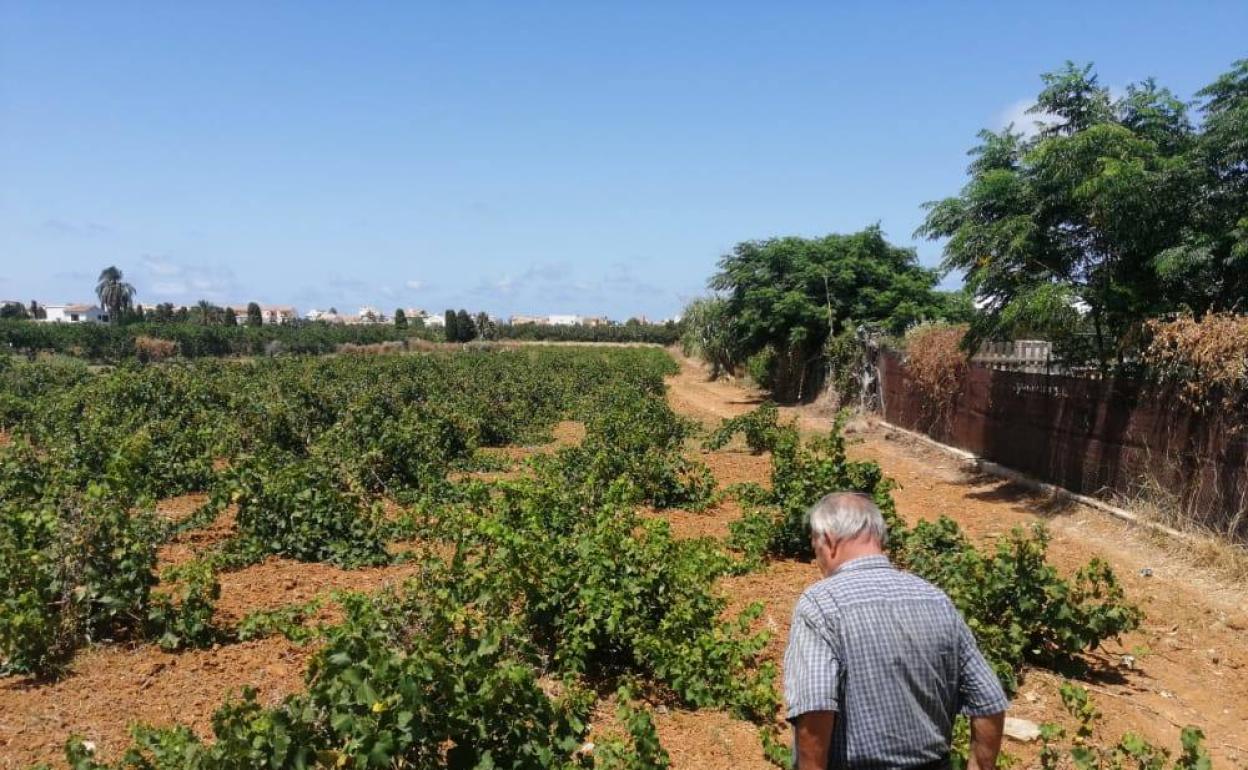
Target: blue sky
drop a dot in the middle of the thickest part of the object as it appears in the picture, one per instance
(514, 157)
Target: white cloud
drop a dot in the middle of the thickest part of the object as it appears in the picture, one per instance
(415, 285)
(159, 265)
(548, 287)
(169, 288)
(1024, 123)
(162, 278)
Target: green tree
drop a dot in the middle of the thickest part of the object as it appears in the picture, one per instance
(14, 310)
(1208, 270)
(486, 327)
(466, 328)
(229, 317)
(710, 334)
(400, 318)
(207, 313)
(254, 316)
(451, 326)
(788, 295)
(1081, 211)
(114, 293)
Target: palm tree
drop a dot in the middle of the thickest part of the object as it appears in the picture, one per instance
(207, 312)
(115, 294)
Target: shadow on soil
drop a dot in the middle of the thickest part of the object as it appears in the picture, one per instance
(993, 489)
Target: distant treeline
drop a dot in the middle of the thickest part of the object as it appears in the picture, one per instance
(661, 334)
(112, 343)
(104, 342)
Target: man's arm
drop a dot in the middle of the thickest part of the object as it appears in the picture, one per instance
(811, 684)
(985, 741)
(814, 739)
(982, 700)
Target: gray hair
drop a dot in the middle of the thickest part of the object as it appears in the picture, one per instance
(846, 516)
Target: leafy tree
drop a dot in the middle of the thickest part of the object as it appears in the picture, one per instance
(254, 316)
(114, 293)
(1114, 212)
(36, 311)
(229, 317)
(788, 295)
(1208, 271)
(955, 306)
(710, 334)
(14, 310)
(486, 327)
(451, 326)
(466, 328)
(400, 318)
(207, 313)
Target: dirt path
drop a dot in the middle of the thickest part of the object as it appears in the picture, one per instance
(1191, 654)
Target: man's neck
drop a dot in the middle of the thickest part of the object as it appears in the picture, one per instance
(859, 550)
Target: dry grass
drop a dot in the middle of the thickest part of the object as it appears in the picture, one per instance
(1206, 547)
(153, 349)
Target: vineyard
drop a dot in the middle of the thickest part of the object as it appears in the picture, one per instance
(548, 612)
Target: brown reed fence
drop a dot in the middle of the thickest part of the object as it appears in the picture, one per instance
(1106, 437)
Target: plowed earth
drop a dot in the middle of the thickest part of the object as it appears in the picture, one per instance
(1191, 655)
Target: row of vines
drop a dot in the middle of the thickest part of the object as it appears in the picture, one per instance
(535, 595)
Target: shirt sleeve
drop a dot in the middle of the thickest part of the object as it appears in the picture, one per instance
(811, 669)
(979, 689)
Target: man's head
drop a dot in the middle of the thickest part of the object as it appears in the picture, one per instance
(844, 526)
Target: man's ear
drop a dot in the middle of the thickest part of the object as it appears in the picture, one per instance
(829, 543)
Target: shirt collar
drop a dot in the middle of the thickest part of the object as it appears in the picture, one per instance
(875, 561)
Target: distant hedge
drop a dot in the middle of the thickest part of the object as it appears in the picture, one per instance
(102, 342)
(661, 334)
(107, 343)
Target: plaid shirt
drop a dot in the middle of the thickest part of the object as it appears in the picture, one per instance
(892, 656)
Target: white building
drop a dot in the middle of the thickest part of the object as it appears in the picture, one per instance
(563, 320)
(328, 316)
(75, 314)
(269, 314)
(369, 315)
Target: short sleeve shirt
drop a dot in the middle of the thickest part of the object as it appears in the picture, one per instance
(891, 655)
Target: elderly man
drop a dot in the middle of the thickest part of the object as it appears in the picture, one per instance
(880, 661)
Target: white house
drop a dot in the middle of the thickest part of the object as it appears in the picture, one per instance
(368, 315)
(563, 320)
(278, 314)
(539, 320)
(269, 314)
(75, 314)
(328, 316)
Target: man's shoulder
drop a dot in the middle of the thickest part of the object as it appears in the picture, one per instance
(882, 582)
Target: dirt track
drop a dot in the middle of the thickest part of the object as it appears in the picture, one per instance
(1191, 653)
